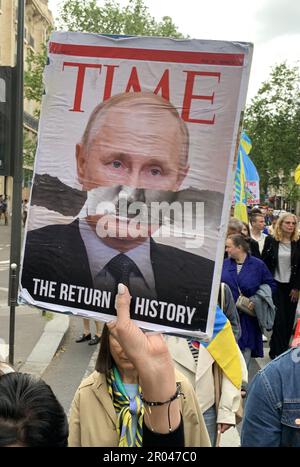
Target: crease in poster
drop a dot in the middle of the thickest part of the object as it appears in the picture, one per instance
(133, 177)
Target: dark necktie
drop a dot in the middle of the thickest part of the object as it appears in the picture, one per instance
(120, 267)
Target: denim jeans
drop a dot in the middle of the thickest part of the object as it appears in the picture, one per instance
(272, 410)
(210, 418)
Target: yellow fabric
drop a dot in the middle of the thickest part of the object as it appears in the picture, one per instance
(246, 144)
(223, 348)
(297, 175)
(240, 212)
(240, 208)
(125, 408)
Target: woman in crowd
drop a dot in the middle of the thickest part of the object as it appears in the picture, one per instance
(246, 230)
(235, 226)
(30, 414)
(218, 392)
(282, 256)
(244, 274)
(134, 392)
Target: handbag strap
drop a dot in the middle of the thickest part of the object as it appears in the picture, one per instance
(240, 292)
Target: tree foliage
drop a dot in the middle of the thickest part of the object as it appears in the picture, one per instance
(273, 123)
(29, 148)
(111, 18)
(33, 76)
(88, 16)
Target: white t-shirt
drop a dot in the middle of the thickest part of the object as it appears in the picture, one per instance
(283, 271)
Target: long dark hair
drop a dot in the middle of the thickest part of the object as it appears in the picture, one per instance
(104, 361)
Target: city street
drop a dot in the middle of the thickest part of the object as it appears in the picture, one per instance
(72, 361)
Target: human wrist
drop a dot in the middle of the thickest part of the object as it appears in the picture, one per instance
(158, 387)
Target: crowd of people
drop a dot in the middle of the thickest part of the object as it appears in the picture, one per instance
(4, 211)
(121, 404)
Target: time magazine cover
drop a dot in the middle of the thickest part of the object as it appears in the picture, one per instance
(133, 177)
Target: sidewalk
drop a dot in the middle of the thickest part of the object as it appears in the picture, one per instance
(37, 337)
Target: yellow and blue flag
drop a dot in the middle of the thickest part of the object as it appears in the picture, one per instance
(240, 207)
(224, 349)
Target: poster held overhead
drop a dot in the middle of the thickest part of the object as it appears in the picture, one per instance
(146, 129)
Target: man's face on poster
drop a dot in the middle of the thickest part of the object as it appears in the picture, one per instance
(134, 153)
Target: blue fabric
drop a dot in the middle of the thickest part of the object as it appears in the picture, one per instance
(210, 418)
(251, 173)
(272, 407)
(253, 274)
(132, 390)
(251, 337)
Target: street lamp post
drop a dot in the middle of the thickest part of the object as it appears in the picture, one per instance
(15, 249)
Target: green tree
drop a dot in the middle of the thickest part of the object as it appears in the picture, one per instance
(29, 148)
(88, 16)
(273, 123)
(111, 18)
(33, 76)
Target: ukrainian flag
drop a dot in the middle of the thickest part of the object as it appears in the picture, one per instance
(224, 349)
(240, 208)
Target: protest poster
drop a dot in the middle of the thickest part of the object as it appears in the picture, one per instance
(133, 177)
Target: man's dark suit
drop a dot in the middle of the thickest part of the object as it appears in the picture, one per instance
(57, 253)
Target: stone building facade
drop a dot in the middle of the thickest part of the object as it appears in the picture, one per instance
(38, 22)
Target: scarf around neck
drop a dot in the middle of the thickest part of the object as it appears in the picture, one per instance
(125, 408)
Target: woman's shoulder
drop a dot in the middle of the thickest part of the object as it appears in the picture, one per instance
(94, 378)
(256, 261)
(270, 241)
(227, 262)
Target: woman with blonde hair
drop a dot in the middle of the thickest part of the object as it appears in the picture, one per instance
(282, 256)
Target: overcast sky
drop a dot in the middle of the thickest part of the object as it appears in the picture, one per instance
(272, 25)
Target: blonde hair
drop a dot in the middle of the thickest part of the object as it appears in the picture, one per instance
(278, 227)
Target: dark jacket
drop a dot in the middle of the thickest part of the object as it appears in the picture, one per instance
(270, 257)
(57, 253)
